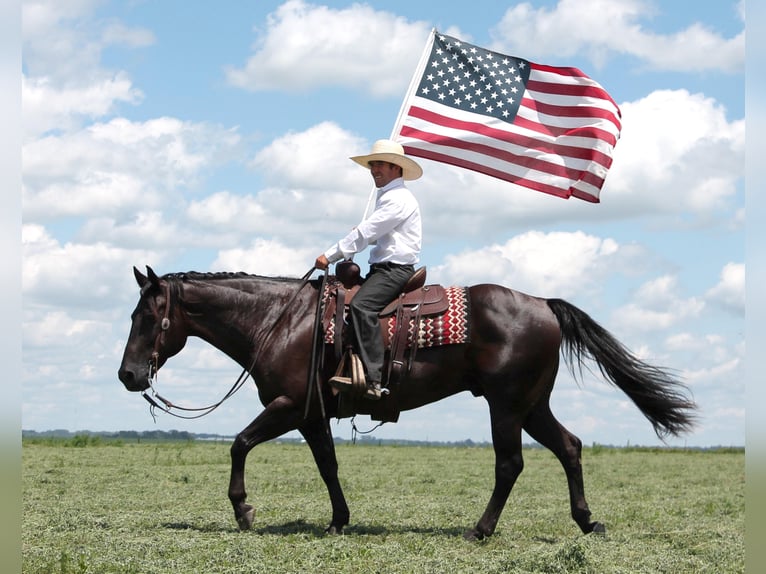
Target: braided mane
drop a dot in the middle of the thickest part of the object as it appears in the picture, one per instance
(184, 276)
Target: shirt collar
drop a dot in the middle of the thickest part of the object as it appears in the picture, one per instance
(393, 184)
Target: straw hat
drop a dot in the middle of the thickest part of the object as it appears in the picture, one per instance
(391, 152)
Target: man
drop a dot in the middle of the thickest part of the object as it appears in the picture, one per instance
(394, 230)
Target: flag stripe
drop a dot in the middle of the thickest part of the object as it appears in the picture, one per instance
(521, 167)
(492, 148)
(520, 140)
(486, 168)
(562, 77)
(497, 133)
(580, 112)
(556, 127)
(542, 127)
(543, 170)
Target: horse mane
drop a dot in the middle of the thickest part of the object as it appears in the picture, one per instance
(184, 276)
(236, 284)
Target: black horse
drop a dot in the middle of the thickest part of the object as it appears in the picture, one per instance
(512, 357)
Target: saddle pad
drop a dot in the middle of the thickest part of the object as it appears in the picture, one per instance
(449, 328)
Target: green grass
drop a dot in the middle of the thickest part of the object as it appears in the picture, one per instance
(162, 507)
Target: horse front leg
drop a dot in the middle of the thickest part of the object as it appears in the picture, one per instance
(320, 442)
(279, 416)
(506, 440)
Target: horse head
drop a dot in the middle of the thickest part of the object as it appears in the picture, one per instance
(156, 332)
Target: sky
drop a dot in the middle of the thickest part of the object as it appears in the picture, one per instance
(188, 136)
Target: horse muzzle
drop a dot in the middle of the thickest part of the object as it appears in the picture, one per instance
(134, 382)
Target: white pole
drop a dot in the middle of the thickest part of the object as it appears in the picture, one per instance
(408, 96)
(414, 83)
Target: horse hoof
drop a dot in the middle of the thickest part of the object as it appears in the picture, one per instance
(334, 530)
(245, 522)
(597, 528)
(472, 535)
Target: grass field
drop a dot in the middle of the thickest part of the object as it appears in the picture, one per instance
(101, 507)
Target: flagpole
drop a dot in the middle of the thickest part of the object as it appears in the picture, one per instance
(413, 86)
(413, 83)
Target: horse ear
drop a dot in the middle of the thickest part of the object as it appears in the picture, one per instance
(152, 276)
(141, 279)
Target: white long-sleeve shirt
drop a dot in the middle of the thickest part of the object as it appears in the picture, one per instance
(393, 227)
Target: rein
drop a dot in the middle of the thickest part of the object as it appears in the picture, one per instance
(238, 384)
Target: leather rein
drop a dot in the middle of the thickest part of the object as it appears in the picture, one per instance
(157, 401)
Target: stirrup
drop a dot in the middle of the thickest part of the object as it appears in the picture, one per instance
(374, 392)
(356, 382)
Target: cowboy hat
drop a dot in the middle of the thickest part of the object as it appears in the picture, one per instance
(391, 152)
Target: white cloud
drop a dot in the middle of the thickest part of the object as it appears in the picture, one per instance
(48, 107)
(678, 153)
(119, 166)
(57, 329)
(306, 46)
(556, 264)
(267, 257)
(314, 191)
(602, 29)
(689, 341)
(316, 158)
(657, 306)
(729, 293)
(119, 33)
(729, 370)
(64, 81)
(86, 276)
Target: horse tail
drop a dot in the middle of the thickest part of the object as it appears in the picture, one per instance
(660, 396)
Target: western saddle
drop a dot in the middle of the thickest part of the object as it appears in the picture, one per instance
(415, 301)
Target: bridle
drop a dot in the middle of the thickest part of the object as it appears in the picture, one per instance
(159, 340)
(157, 401)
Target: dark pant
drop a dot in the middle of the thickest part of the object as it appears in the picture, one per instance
(382, 285)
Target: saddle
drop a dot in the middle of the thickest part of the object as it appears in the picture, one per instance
(422, 316)
(415, 301)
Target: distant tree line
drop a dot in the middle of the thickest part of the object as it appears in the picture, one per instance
(126, 435)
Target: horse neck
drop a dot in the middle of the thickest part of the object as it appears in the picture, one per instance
(237, 315)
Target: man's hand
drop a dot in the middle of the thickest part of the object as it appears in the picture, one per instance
(322, 262)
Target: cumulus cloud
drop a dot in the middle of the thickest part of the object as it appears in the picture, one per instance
(303, 46)
(57, 329)
(602, 29)
(118, 165)
(48, 107)
(63, 78)
(306, 45)
(657, 306)
(555, 264)
(267, 257)
(77, 275)
(316, 158)
(729, 293)
(675, 145)
(312, 189)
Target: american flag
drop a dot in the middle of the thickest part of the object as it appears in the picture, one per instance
(547, 128)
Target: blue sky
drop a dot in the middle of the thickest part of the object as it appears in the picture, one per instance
(187, 136)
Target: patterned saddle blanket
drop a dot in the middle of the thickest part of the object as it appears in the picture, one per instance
(433, 315)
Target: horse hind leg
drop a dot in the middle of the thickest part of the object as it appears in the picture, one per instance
(543, 427)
